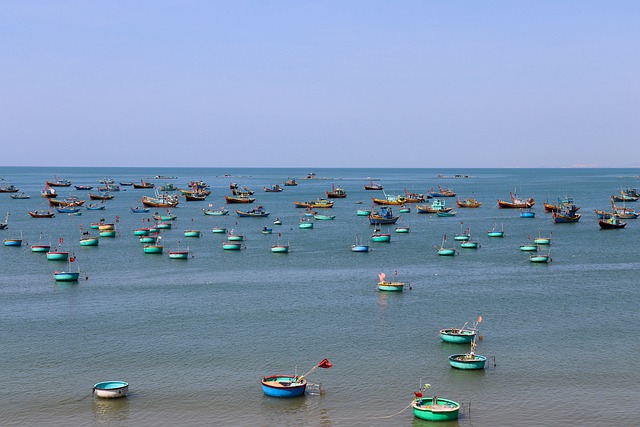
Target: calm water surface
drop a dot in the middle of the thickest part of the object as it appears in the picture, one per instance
(194, 337)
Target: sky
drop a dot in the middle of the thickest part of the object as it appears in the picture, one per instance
(363, 83)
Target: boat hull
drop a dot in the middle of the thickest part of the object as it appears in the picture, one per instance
(280, 249)
(359, 248)
(111, 389)
(457, 336)
(446, 252)
(40, 248)
(13, 242)
(283, 386)
(461, 361)
(90, 241)
(57, 256)
(231, 246)
(381, 238)
(444, 410)
(539, 258)
(192, 233)
(153, 249)
(179, 255)
(66, 276)
(391, 286)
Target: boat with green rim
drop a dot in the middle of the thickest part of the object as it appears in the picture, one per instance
(468, 361)
(107, 233)
(540, 258)
(89, 241)
(179, 254)
(392, 286)
(164, 225)
(306, 223)
(279, 248)
(540, 240)
(470, 244)
(66, 276)
(379, 236)
(402, 229)
(216, 212)
(141, 231)
(153, 249)
(232, 236)
(363, 212)
(442, 251)
(434, 408)
(58, 256)
(192, 233)
(40, 248)
(495, 232)
(150, 238)
(232, 246)
(219, 230)
(463, 236)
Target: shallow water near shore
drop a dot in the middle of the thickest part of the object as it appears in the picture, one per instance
(194, 337)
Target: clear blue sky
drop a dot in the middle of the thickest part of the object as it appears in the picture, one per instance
(320, 83)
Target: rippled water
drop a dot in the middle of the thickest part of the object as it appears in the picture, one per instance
(194, 337)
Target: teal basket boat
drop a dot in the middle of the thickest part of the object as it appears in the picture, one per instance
(435, 409)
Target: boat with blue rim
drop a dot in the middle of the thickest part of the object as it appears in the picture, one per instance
(111, 389)
(284, 385)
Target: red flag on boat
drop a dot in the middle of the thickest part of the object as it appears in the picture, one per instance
(61, 240)
(417, 393)
(479, 319)
(72, 259)
(325, 364)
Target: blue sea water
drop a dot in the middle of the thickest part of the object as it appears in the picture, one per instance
(194, 337)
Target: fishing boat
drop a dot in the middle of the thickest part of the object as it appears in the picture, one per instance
(441, 192)
(58, 182)
(390, 199)
(66, 276)
(107, 233)
(359, 246)
(153, 249)
(289, 385)
(442, 251)
(5, 224)
(257, 212)
(4, 188)
(437, 205)
(567, 216)
(20, 196)
(402, 230)
(111, 389)
(623, 212)
(463, 235)
(529, 247)
(68, 201)
(195, 197)
(541, 240)
(393, 286)
(459, 335)
(336, 192)
(280, 248)
(527, 213)
(540, 257)
(277, 221)
(445, 214)
(306, 223)
(68, 209)
(101, 196)
(564, 203)
(41, 248)
(318, 203)
(42, 214)
(149, 238)
(516, 202)
(216, 212)
(141, 231)
(373, 186)
(266, 230)
(14, 241)
(179, 253)
(232, 236)
(405, 209)
(143, 184)
(58, 255)
(164, 225)
(379, 236)
(468, 361)
(48, 192)
(290, 182)
(83, 187)
(469, 202)
(470, 244)
(383, 216)
(106, 226)
(138, 209)
(411, 197)
(191, 233)
(275, 188)
(95, 207)
(161, 200)
(239, 199)
(611, 223)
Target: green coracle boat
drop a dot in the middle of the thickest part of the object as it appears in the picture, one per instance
(153, 249)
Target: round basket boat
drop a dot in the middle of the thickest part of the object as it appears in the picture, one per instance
(111, 389)
(435, 409)
(458, 336)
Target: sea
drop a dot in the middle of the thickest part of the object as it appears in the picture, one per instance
(194, 337)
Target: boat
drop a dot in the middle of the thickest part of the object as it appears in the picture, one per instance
(305, 223)
(106, 226)
(68, 201)
(463, 235)
(527, 213)
(215, 212)
(232, 236)
(179, 253)
(141, 231)
(41, 214)
(410, 197)
(434, 408)
(322, 217)
(168, 187)
(48, 192)
(389, 199)
(460, 335)
(195, 197)
(383, 216)
(144, 184)
(108, 187)
(541, 240)
(153, 249)
(87, 240)
(404, 209)
(540, 257)
(96, 207)
(101, 196)
(446, 213)
(127, 184)
(442, 192)
(290, 182)
(20, 196)
(161, 200)
(40, 248)
(468, 361)
(625, 196)
(622, 212)
(282, 385)
(469, 202)
(58, 255)
(163, 225)
(83, 187)
(59, 182)
(275, 188)
(442, 251)
(600, 214)
(239, 199)
(149, 238)
(13, 241)
(336, 192)
(564, 203)
(280, 248)
(219, 230)
(437, 205)
(231, 246)
(5, 224)
(67, 209)
(111, 389)
(379, 236)
(611, 223)
(495, 232)
(8, 188)
(138, 209)
(359, 246)
(66, 276)
(516, 202)
(394, 286)
(402, 230)
(191, 233)
(529, 247)
(257, 212)
(567, 216)
(167, 217)
(373, 186)
(318, 203)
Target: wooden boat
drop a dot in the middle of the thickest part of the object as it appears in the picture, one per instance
(42, 214)
(59, 183)
(101, 196)
(168, 187)
(469, 202)
(83, 187)
(405, 209)
(138, 209)
(13, 241)
(191, 233)
(445, 214)
(257, 212)
(69, 201)
(318, 203)
(567, 216)
(442, 192)
(164, 225)
(275, 188)
(289, 385)
(527, 213)
(89, 241)
(600, 214)
(435, 408)
(468, 361)
(150, 238)
(239, 199)
(611, 223)
(562, 204)
(386, 286)
(8, 188)
(336, 192)
(379, 236)
(48, 192)
(153, 249)
(111, 389)
(383, 216)
(179, 254)
(410, 197)
(437, 205)
(20, 196)
(104, 226)
(144, 184)
(463, 236)
(516, 202)
(373, 186)
(290, 182)
(623, 212)
(394, 200)
(195, 197)
(622, 197)
(161, 201)
(215, 212)
(232, 236)
(141, 231)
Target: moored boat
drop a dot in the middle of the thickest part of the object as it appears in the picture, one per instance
(434, 408)
(216, 212)
(392, 286)
(138, 209)
(192, 233)
(66, 276)
(282, 385)
(469, 202)
(436, 206)
(239, 199)
(42, 214)
(527, 213)
(89, 241)
(359, 246)
(111, 389)
(567, 216)
(611, 223)
(373, 186)
(20, 196)
(383, 216)
(257, 212)
(379, 236)
(232, 246)
(516, 202)
(153, 249)
(540, 257)
(336, 192)
(443, 251)
(468, 361)
(58, 255)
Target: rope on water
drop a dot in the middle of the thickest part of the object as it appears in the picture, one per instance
(393, 415)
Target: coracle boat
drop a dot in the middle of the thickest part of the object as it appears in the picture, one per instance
(460, 335)
(111, 389)
(42, 214)
(153, 249)
(66, 276)
(469, 202)
(257, 212)
(540, 240)
(434, 408)
(305, 223)
(611, 223)
(289, 385)
(442, 251)
(383, 216)
(359, 246)
(468, 361)
(445, 214)
(138, 209)
(166, 217)
(540, 257)
(40, 248)
(516, 202)
(322, 217)
(89, 241)
(379, 236)
(402, 230)
(191, 233)
(58, 255)
(336, 192)
(383, 285)
(231, 246)
(527, 213)
(494, 232)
